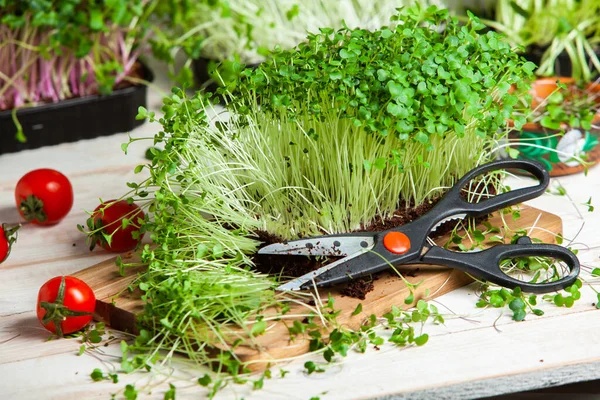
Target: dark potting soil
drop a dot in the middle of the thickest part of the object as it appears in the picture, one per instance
(294, 266)
(358, 288)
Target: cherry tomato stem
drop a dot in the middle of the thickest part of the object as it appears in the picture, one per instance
(8, 236)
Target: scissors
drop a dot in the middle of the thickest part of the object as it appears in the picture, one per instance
(365, 253)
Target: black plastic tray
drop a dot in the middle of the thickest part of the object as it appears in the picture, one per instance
(75, 119)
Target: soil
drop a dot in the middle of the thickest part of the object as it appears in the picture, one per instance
(294, 266)
(358, 288)
(137, 72)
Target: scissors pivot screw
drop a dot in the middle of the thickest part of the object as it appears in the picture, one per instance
(396, 242)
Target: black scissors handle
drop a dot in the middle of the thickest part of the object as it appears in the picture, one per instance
(452, 203)
(485, 264)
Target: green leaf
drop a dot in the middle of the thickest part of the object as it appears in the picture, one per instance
(512, 152)
(96, 19)
(130, 392)
(519, 315)
(516, 305)
(386, 33)
(312, 367)
(422, 138)
(380, 163)
(478, 236)
(204, 380)
(346, 54)
(170, 394)
(559, 300)
(421, 340)
(496, 300)
(410, 299)
(97, 375)
(127, 366)
(357, 310)
(569, 301)
(142, 113)
(258, 328)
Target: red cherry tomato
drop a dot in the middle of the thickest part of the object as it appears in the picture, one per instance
(8, 236)
(44, 196)
(65, 304)
(107, 228)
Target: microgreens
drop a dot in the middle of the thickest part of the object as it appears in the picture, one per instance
(567, 106)
(246, 30)
(351, 125)
(57, 49)
(569, 109)
(554, 27)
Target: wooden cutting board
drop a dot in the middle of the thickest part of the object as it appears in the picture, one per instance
(117, 306)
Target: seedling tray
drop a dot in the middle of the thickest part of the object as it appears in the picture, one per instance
(75, 119)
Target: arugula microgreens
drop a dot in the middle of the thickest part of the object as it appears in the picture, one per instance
(350, 125)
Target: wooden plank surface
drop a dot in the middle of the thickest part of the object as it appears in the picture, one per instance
(473, 345)
(118, 306)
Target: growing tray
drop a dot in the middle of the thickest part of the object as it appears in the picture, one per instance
(75, 119)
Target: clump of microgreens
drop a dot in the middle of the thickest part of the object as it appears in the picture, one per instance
(554, 27)
(246, 30)
(358, 117)
(352, 124)
(55, 50)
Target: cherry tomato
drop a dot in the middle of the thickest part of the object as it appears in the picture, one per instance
(65, 304)
(44, 196)
(8, 236)
(108, 230)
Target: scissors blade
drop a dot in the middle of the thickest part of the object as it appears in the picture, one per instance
(300, 282)
(451, 218)
(337, 246)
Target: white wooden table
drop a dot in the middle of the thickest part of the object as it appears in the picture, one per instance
(466, 357)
